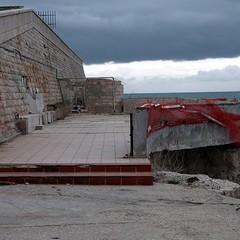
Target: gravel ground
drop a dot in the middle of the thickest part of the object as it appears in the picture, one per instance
(162, 211)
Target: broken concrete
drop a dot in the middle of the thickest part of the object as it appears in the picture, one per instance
(225, 187)
(184, 136)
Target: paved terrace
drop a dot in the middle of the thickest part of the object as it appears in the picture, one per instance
(79, 139)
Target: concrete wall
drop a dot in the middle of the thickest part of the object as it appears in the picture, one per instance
(220, 162)
(140, 124)
(217, 162)
(104, 95)
(32, 60)
(187, 136)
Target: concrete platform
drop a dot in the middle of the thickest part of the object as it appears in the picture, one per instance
(82, 149)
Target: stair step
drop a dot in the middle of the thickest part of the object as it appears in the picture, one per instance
(94, 174)
(73, 174)
(107, 178)
(77, 168)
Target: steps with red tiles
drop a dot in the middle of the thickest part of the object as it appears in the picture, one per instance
(104, 174)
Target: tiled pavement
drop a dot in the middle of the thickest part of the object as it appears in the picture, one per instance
(81, 139)
(82, 149)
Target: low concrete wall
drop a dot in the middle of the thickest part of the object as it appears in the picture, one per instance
(29, 123)
(188, 136)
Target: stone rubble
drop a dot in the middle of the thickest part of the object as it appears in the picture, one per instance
(225, 187)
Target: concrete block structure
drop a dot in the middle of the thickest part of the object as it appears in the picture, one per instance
(207, 147)
(185, 136)
(104, 95)
(34, 62)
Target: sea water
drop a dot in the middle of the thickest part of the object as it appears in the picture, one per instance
(195, 95)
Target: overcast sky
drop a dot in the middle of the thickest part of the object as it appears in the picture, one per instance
(153, 45)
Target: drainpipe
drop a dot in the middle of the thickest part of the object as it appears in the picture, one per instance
(113, 95)
(84, 96)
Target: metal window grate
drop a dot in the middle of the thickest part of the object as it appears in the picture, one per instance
(49, 17)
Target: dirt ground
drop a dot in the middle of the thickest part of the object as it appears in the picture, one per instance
(161, 211)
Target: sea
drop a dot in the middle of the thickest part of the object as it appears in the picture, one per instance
(195, 95)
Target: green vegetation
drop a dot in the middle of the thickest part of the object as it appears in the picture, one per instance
(57, 105)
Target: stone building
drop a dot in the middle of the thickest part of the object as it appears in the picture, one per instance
(37, 70)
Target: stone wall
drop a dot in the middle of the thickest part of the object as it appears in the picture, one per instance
(104, 95)
(32, 60)
(73, 91)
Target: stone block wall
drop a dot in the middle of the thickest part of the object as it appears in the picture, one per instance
(32, 60)
(104, 95)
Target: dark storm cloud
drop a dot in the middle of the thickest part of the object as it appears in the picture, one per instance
(124, 31)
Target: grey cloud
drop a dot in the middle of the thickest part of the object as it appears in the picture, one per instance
(226, 75)
(226, 79)
(124, 31)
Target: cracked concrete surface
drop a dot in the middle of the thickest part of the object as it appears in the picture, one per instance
(162, 211)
